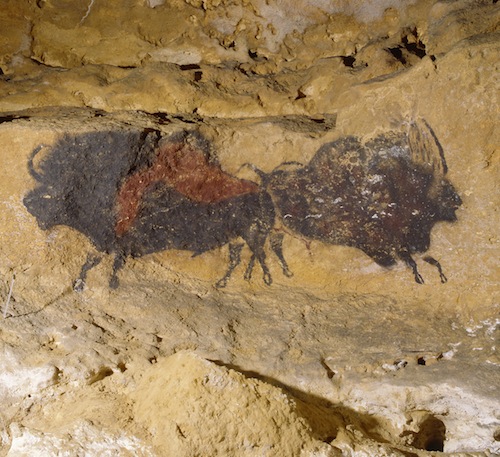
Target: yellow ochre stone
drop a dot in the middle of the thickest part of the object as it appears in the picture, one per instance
(345, 358)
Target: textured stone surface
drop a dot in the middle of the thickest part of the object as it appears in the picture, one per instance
(344, 358)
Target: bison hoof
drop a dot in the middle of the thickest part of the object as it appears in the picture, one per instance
(79, 285)
(248, 272)
(268, 279)
(443, 278)
(288, 273)
(114, 283)
(221, 283)
(419, 279)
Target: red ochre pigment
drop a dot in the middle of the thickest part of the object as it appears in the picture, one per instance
(185, 169)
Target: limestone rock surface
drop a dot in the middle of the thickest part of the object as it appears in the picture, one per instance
(345, 358)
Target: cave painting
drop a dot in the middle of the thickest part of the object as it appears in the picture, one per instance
(383, 196)
(136, 193)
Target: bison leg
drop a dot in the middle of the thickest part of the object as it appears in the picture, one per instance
(406, 257)
(92, 261)
(256, 245)
(117, 265)
(249, 270)
(234, 261)
(276, 240)
(432, 261)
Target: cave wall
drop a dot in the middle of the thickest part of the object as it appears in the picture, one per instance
(345, 357)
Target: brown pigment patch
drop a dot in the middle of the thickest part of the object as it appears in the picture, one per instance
(187, 170)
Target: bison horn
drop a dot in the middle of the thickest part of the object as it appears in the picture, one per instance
(425, 147)
(35, 174)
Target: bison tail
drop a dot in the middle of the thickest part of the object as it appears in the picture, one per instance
(264, 177)
(291, 162)
(31, 167)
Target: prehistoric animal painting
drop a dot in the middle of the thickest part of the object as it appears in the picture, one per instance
(383, 196)
(136, 193)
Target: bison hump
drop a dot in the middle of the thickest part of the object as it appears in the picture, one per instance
(188, 170)
(185, 168)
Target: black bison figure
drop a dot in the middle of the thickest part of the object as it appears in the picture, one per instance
(135, 193)
(383, 196)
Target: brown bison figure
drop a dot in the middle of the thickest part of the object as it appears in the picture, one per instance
(383, 196)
